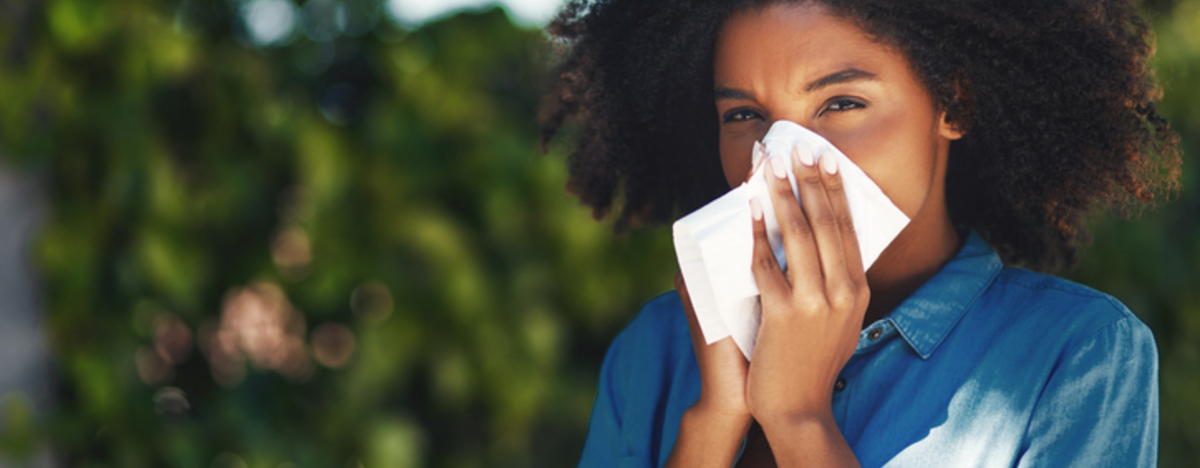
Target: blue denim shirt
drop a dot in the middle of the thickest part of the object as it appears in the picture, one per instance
(983, 366)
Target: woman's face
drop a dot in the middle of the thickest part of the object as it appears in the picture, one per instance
(795, 62)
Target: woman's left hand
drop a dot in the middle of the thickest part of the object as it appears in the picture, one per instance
(812, 313)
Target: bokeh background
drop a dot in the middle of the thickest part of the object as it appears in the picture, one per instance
(285, 233)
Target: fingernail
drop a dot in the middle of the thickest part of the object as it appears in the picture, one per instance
(755, 209)
(779, 167)
(756, 155)
(804, 155)
(829, 164)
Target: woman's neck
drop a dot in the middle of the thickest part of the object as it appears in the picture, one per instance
(918, 253)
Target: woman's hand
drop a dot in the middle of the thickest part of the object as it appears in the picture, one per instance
(712, 430)
(811, 315)
(811, 319)
(722, 365)
(722, 369)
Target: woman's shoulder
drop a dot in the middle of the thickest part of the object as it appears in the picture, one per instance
(651, 364)
(649, 378)
(1069, 309)
(659, 327)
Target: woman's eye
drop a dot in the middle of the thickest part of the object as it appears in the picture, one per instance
(843, 104)
(740, 115)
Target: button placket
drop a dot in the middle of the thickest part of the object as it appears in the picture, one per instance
(869, 337)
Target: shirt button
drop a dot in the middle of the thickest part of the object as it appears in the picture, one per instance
(875, 334)
(840, 384)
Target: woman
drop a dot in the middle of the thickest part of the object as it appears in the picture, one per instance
(996, 126)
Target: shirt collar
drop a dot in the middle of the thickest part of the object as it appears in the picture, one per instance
(928, 315)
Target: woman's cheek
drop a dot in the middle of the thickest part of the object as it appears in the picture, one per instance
(735, 158)
(907, 186)
(892, 156)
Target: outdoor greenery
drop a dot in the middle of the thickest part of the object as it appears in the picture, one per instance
(343, 247)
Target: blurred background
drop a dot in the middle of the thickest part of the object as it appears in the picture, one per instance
(286, 233)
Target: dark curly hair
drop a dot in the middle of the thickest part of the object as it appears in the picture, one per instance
(1056, 97)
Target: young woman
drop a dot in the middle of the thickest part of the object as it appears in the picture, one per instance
(995, 125)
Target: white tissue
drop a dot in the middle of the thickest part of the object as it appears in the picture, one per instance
(714, 244)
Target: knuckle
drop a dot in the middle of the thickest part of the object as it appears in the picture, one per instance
(863, 294)
(833, 183)
(826, 219)
(764, 262)
(846, 222)
(812, 180)
(782, 187)
(798, 225)
(841, 299)
(808, 303)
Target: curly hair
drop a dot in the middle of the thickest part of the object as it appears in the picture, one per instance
(1055, 95)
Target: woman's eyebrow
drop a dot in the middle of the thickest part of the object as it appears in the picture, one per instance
(722, 92)
(844, 76)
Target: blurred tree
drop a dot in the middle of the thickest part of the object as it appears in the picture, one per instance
(299, 234)
(323, 243)
(1152, 261)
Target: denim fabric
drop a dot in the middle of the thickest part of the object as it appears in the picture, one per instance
(982, 366)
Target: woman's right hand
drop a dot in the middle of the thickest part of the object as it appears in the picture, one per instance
(722, 369)
(712, 430)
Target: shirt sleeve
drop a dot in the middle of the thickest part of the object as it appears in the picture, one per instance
(1100, 405)
(607, 444)
(648, 379)
(604, 444)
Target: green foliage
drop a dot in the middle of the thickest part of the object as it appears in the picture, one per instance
(1151, 262)
(397, 193)
(375, 208)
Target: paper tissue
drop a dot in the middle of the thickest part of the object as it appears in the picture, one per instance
(714, 244)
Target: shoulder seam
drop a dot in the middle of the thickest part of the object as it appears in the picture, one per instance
(1076, 289)
(1124, 317)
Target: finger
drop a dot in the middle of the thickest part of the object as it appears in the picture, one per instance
(799, 244)
(772, 286)
(813, 197)
(835, 190)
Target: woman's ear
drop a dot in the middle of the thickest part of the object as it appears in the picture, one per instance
(954, 120)
(949, 130)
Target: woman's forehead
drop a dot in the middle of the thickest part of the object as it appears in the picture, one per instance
(796, 43)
